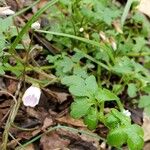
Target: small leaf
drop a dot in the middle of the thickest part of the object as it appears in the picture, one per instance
(144, 101)
(117, 137)
(67, 64)
(123, 119)
(91, 119)
(111, 121)
(80, 108)
(135, 137)
(135, 142)
(78, 90)
(91, 85)
(132, 90)
(106, 95)
(72, 80)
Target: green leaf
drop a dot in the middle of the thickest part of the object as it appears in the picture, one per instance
(144, 101)
(2, 72)
(72, 80)
(135, 142)
(123, 65)
(111, 121)
(80, 108)
(135, 137)
(132, 90)
(78, 90)
(146, 89)
(106, 95)
(147, 110)
(117, 137)
(91, 119)
(91, 85)
(123, 119)
(66, 64)
(137, 129)
(140, 42)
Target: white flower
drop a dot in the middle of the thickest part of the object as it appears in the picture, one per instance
(127, 113)
(81, 29)
(6, 11)
(31, 96)
(36, 25)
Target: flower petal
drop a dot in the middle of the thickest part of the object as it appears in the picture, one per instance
(31, 96)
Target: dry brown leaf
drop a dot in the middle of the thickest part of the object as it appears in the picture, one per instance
(57, 96)
(144, 7)
(53, 141)
(69, 120)
(31, 112)
(12, 87)
(47, 123)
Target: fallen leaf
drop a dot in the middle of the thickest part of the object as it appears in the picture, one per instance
(69, 120)
(53, 141)
(47, 123)
(12, 87)
(31, 112)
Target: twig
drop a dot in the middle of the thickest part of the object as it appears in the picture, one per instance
(16, 141)
(11, 117)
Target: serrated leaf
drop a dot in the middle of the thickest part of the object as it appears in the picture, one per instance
(72, 80)
(124, 120)
(78, 90)
(123, 65)
(137, 129)
(144, 101)
(135, 137)
(135, 142)
(111, 121)
(80, 108)
(67, 64)
(91, 119)
(91, 85)
(132, 90)
(117, 137)
(106, 95)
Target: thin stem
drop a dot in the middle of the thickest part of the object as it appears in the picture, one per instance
(23, 129)
(11, 118)
(63, 127)
(94, 43)
(16, 141)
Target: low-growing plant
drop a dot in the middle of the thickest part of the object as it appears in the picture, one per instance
(104, 57)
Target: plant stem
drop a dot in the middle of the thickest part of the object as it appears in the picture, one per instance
(62, 127)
